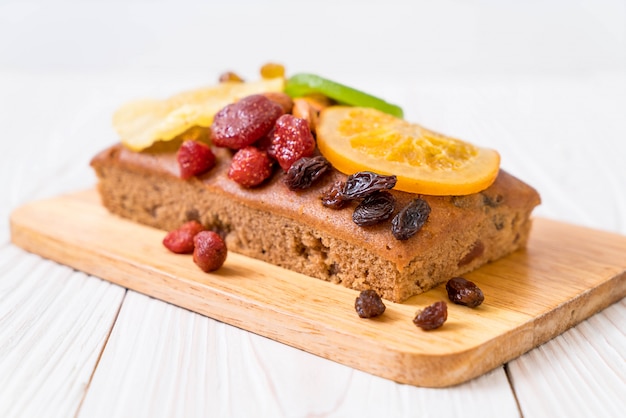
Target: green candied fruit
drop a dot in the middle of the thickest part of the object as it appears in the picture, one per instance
(304, 84)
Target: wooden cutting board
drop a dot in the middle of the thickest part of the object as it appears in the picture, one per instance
(566, 274)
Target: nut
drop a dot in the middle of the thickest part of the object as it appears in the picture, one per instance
(281, 98)
(303, 109)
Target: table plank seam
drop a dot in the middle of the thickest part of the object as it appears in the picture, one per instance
(102, 350)
(509, 380)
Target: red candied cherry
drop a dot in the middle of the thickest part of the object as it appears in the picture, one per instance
(210, 251)
(194, 158)
(180, 240)
(292, 139)
(250, 167)
(242, 123)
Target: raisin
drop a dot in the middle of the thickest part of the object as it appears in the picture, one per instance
(432, 317)
(369, 304)
(292, 139)
(250, 167)
(304, 172)
(375, 208)
(241, 123)
(359, 185)
(230, 76)
(464, 292)
(272, 70)
(333, 196)
(410, 219)
(210, 251)
(492, 201)
(477, 250)
(194, 158)
(180, 240)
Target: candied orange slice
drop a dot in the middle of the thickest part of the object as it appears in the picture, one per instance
(361, 139)
(141, 123)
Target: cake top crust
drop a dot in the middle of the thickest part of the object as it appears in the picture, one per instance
(448, 213)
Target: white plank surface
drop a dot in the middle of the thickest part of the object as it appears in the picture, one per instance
(53, 325)
(189, 365)
(592, 383)
(543, 82)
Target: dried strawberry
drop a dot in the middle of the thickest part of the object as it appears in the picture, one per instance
(292, 139)
(250, 167)
(194, 158)
(265, 142)
(210, 251)
(242, 123)
(180, 241)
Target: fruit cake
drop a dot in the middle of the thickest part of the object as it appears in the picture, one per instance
(349, 228)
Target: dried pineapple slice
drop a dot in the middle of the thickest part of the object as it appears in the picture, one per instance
(143, 122)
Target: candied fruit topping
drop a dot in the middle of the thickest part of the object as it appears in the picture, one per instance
(291, 140)
(180, 240)
(425, 162)
(194, 158)
(242, 123)
(210, 251)
(142, 123)
(250, 167)
(272, 70)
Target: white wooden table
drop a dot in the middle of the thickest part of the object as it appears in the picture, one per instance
(534, 82)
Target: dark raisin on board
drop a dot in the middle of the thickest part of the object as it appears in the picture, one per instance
(363, 183)
(432, 317)
(304, 172)
(369, 304)
(375, 208)
(410, 219)
(464, 292)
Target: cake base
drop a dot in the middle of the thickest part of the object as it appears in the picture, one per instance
(295, 231)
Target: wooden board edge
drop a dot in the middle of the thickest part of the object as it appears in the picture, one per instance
(403, 367)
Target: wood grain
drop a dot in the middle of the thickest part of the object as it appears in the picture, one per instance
(566, 274)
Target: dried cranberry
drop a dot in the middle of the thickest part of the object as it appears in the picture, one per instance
(432, 316)
(242, 123)
(180, 240)
(292, 139)
(304, 172)
(194, 158)
(375, 208)
(369, 304)
(250, 167)
(210, 251)
(333, 197)
(361, 184)
(464, 292)
(410, 219)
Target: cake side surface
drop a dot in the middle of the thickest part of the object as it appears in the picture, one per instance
(294, 230)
